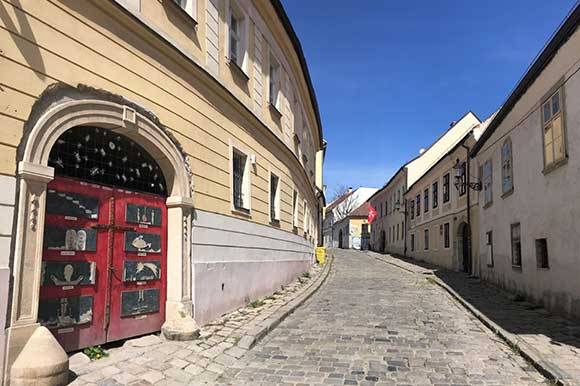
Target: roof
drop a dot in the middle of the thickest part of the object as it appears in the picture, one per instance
(361, 211)
(338, 200)
(279, 8)
(476, 132)
(561, 36)
(392, 178)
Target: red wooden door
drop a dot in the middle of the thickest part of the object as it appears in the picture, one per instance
(104, 262)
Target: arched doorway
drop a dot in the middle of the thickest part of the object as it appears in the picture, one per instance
(104, 258)
(340, 245)
(463, 238)
(58, 110)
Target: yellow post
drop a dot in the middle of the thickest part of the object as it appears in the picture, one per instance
(321, 255)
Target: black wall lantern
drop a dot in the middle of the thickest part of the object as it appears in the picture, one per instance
(461, 178)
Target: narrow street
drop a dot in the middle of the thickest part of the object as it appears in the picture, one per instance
(374, 324)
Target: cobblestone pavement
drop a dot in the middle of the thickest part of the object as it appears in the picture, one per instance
(152, 360)
(555, 338)
(375, 324)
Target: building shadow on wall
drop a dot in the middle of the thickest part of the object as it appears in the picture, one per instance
(508, 310)
(25, 41)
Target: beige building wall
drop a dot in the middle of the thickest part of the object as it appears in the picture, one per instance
(388, 228)
(434, 219)
(174, 65)
(544, 201)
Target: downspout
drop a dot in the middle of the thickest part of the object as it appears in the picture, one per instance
(468, 208)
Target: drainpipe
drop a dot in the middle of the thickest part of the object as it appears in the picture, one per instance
(467, 188)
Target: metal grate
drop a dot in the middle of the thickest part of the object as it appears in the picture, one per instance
(104, 157)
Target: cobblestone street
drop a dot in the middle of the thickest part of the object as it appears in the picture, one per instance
(375, 324)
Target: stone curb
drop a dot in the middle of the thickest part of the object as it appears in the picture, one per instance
(258, 332)
(545, 367)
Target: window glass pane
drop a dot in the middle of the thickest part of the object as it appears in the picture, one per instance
(558, 138)
(549, 153)
(546, 110)
(556, 103)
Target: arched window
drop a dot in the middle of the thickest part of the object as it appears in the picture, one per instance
(507, 167)
(104, 157)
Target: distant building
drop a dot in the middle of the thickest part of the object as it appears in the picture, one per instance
(529, 158)
(353, 231)
(439, 224)
(389, 229)
(339, 209)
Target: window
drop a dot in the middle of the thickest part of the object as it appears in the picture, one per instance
(365, 229)
(487, 183)
(489, 244)
(463, 179)
(237, 33)
(418, 201)
(446, 188)
(426, 239)
(516, 245)
(274, 83)
(554, 139)
(189, 6)
(542, 253)
(507, 183)
(412, 242)
(295, 209)
(446, 241)
(274, 197)
(397, 232)
(382, 209)
(426, 199)
(305, 219)
(241, 183)
(412, 206)
(435, 194)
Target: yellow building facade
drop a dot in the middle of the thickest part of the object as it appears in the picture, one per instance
(216, 92)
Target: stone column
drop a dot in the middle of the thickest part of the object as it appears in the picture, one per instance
(179, 323)
(32, 181)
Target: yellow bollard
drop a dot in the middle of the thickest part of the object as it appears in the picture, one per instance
(321, 255)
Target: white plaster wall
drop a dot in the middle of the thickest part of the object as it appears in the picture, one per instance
(237, 261)
(546, 205)
(7, 196)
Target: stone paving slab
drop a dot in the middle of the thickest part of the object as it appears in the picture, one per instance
(152, 359)
(550, 342)
(374, 324)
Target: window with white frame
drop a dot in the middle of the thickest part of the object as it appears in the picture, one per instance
(553, 130)
(274, 197)
(487, 183)
(435, 190)
(446, 240)
(188, 6)
(506, 167)
(274, 82)
(237, 35)
(305, 219)
(240, 180)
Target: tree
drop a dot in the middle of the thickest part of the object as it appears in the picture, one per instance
(348, 203)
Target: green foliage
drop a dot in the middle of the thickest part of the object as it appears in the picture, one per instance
(95, 353)
(256, 304)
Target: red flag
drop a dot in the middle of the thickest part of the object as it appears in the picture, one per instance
(372, 213)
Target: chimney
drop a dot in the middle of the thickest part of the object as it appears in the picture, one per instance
(350, 189)
(453, 123)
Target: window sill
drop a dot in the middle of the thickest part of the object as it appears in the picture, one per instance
(555, 165)
(181, 12)
(237, 69)
(508, 193)
(489, 265)
(274, 111)
(242, 211)
(275, 222)
(517, 268)
(543, 268)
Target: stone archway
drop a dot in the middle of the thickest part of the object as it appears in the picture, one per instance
(33, 176)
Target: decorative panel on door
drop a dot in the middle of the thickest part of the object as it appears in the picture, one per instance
(104, 258)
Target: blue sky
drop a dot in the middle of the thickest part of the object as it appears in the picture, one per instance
(391, 75)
